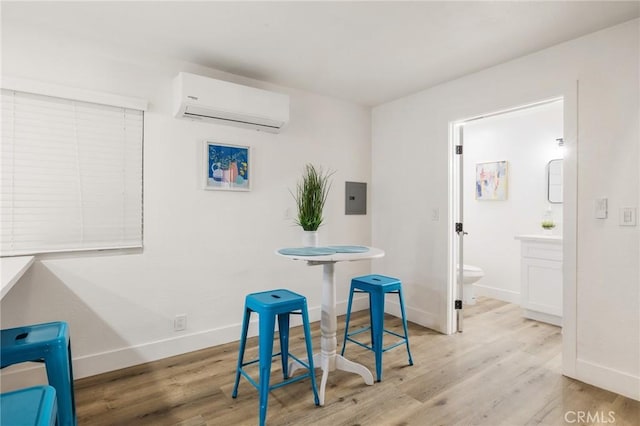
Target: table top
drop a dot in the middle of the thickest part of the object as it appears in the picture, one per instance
(372, 253)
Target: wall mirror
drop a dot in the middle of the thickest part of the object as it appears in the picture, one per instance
(554, 181)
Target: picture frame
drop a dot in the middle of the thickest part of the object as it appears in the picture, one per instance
(227, 167)
(492, 181)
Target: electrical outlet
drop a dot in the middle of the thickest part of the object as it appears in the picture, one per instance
(180, 322)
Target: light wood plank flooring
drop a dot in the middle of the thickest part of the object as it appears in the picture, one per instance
(503, 370)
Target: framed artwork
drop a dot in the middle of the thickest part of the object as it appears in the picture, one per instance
(227, 167)
(492, 181)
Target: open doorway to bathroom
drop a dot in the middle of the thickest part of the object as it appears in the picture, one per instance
(507, 193)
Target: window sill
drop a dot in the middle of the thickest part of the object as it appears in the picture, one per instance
(12, 268)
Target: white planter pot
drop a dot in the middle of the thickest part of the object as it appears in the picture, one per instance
(310, 239)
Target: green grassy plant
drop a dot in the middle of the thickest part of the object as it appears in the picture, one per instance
(311, 195)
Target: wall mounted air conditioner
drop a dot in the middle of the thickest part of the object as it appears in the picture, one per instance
(207, 99)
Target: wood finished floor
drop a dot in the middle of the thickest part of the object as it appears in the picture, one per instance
(503, 370)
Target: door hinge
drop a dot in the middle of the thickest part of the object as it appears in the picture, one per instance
(458, 227)
(458, 304)
(459, 149)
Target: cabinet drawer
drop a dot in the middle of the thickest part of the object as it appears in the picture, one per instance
(542, 251)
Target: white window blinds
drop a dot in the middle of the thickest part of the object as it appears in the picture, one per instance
(71, 175)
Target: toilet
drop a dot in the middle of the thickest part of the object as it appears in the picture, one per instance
(471, 274)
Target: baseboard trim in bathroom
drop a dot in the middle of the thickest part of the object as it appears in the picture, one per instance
(498, 293)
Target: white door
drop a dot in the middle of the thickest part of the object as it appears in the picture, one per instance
(459, 229)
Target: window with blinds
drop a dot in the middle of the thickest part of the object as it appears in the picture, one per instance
(71, 175)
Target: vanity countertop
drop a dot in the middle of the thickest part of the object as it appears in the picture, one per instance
(557, 239)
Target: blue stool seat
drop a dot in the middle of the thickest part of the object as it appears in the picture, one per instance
(269, 305)
(48, 343)
(34, 406)
(377, 286)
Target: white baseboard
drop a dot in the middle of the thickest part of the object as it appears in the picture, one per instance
(30, 374)
(607, 378)
(423, 318)
(542, 316)
(498, 293)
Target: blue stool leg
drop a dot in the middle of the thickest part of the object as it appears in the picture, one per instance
(377, 326)
(346, 323)
(283, 330)
(243, 342)
(267, 325)
(58, 366)
(307, 339)
(371, 329)
(404, 324)
(73, 393)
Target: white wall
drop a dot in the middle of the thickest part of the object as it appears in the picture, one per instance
(410, 175)
(203, 250)
(527, 140)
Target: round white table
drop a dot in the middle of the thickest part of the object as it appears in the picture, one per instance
(328, 359)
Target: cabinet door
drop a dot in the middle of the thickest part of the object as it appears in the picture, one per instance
(542, 285)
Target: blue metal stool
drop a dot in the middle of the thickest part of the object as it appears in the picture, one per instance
(268, 305)
(34, 406)
(48, 343)
(377, 286)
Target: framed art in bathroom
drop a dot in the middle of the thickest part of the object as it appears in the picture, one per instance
(227, 167)
(492, 181)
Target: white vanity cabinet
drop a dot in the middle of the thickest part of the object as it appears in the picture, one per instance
(541, 278)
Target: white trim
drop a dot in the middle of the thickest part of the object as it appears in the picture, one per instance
(103, 362)
(450, 321)
(498, 293)
(66, 92)
(74, 250)
(607, 378)
(543, 317)
(568, 91)
(417, 316)
(509, 110)
(569, 232)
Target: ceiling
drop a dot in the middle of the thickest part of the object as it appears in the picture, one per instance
(365, 52)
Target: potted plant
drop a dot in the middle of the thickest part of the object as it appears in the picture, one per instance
(311, 195)
(548, 224)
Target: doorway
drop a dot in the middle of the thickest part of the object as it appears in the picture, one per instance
(499, 190)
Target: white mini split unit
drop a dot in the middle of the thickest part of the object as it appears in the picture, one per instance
(207, 99)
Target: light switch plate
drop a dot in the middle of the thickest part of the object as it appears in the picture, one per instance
(628, 216)
(601, 208)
